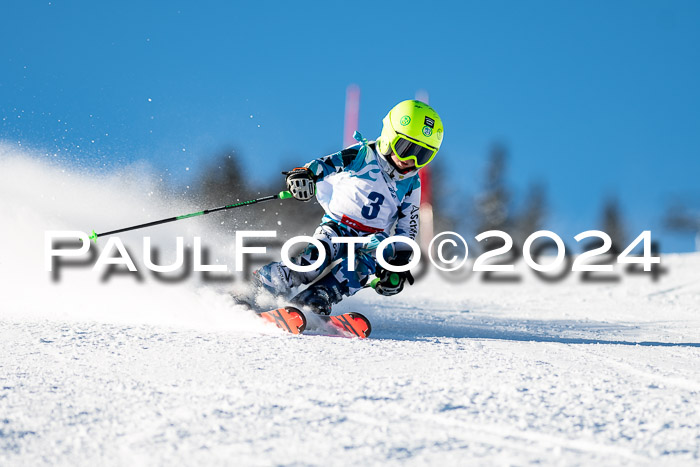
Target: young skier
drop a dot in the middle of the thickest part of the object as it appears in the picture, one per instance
(365, 190)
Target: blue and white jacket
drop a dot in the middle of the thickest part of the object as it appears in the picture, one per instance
(358, 187)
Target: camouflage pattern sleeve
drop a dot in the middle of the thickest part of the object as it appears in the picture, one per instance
(333, 163)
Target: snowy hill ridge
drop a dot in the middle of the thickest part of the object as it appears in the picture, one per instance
(129, 372)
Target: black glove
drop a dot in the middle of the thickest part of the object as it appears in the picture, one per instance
(300, 183)
(391, 283)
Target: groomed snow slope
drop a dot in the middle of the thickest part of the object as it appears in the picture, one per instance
(144, 373)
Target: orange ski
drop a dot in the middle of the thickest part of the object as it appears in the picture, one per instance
(353, 324)
(288, 319)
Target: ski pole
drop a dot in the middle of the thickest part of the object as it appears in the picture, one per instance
(280, 195)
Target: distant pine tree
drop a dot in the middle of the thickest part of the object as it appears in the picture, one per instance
(223, 180)
(533, 214)
(444, 217)
(492, 204)
(680, 218)
(613, 224)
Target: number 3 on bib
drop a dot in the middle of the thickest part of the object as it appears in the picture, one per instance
(370, 211)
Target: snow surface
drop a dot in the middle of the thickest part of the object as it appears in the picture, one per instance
(124, 372)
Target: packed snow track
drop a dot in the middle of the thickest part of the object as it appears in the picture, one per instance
(129, 372)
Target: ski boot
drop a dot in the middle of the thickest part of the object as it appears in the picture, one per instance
(318, 298)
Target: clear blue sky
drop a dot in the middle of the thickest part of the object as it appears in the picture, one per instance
(593, 98)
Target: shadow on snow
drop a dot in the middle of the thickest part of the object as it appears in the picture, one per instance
(411, 323)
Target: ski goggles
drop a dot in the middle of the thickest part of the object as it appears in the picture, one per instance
(406, 148)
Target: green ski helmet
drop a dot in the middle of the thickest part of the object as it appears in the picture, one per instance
(412, 130)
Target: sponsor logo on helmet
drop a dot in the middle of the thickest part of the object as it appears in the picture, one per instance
(427, 131)
(429, 122)
(439, 135)
(405, 120)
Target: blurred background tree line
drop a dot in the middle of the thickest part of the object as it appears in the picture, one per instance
(225, 181)
(495, 205)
